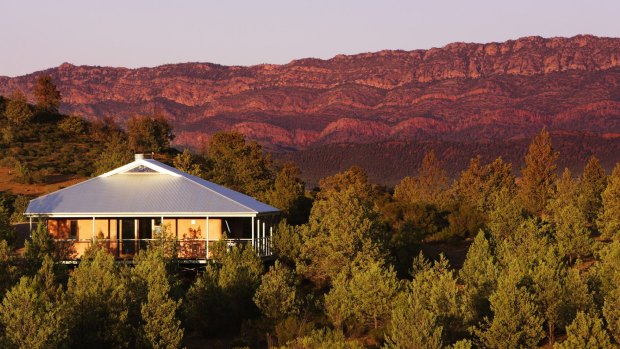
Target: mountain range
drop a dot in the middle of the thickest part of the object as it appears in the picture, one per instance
(380, 110)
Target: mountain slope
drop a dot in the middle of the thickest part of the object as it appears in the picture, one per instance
(459, 93)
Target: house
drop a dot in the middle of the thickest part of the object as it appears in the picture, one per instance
(125, 208)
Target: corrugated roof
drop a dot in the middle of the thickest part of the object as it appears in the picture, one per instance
(167, 190)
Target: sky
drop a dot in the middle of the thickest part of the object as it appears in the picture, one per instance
(35, 35)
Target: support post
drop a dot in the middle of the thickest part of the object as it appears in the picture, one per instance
(207, 246)
(93, 229)
(30, 226)
(252, 231)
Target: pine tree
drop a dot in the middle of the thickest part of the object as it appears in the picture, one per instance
(186, 162)
(479, 275)
(46, 94)
(585, 332)
(276, 296)
(361, 298)
(116, 153)
(570, 223)
(98, 303)
(33, 312)
(516, 322)
(538, 176)
(160, 326)
(40, 246)
(413, 325)
(17, 110)
(288, 192)
(323, 339)
(149, 133)
(505, 215)
(609, 219)
(429, 186)
(611, 310)
(340, 227)
(238, 165)
(591, 185)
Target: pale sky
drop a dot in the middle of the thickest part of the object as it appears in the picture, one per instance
(36, 35)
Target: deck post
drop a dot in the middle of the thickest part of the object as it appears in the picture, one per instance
(264, 239)
(260, 240)
(93, 229)
(252, 231)
(207, 246)
(30, 226)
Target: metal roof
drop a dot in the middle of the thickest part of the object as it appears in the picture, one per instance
(146, 187)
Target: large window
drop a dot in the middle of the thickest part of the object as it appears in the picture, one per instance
(73, 230)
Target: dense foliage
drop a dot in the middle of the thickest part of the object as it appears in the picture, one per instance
(542, 264)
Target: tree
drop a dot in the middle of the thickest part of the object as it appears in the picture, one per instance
(226, 291)
(570, 222)
(609, 219)
(435, 287)
(590, 188)
(276, 296)
(354, 179)
(341, 226)
(116, 153)
(40, 246)
(538, 176)
(413, 325)
(72, 124)
(287, 243)
(516, 322)
(98, 302)
(239, 165)
(505, 215)
(186, 162)
(429, 186)
(361, 298)
(586, 332)
(149, 133)
(17, 110)
(288, 192)
(46, 94)
(611, 308)
(8, 271)
(479, 275)
(33, 312)
(160, 326)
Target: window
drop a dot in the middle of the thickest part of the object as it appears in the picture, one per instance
(73, 230)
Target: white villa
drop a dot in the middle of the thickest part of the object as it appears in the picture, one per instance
(126, 207)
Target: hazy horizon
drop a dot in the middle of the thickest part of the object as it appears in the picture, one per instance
(39, 35)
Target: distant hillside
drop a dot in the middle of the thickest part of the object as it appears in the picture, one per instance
(462, 93)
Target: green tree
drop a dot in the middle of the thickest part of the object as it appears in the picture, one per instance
(361, 298)
(19, 207)
(40, 246)
(17, 110)
(505, 215)
(479, 275)
(73, 125)
(585, 332)
(341, 226)
(413, 325)
(287, 243)
(276, 296)
(46, 94)
(435, 287)
(116, 153)
(571, 224)
(609, 219)
(429, 186)
(149, 133)
(590, 187)
(226, 290)
(187, 162)
(538, 176)
(354, 179)
(160, 326)
(611, 307)
(516, 322)
(33, 312)
(98, 303)
(239, 165)
(8, 270)
(288, 193)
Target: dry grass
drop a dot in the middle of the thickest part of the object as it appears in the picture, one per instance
(8, 183)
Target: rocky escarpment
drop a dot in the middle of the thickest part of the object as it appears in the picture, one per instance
(459, 92)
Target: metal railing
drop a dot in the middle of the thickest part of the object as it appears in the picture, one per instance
(191, 249)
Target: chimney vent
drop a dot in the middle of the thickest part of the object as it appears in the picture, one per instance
(139, 157)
